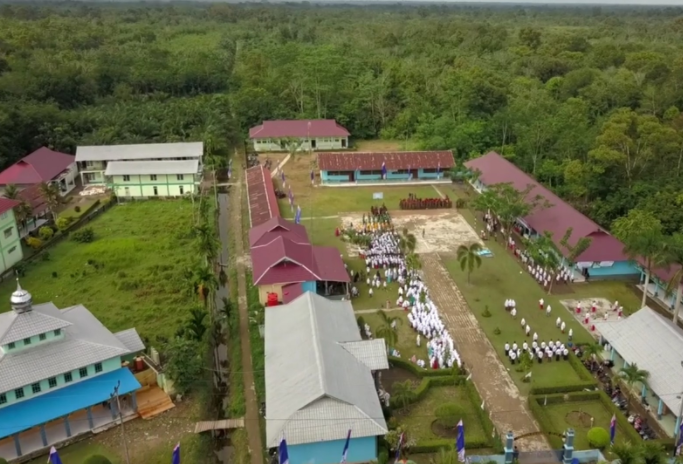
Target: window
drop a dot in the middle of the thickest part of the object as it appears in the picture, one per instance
(3, 398)
(153, 177)
(52, 382)
(42, 337)
(27, 341)
(180, 177)
(430, 171)
(58, 332)
(11, 250)
(19, 393)
(35, 388)
(83, 372)
(98, 367)
(8, 232)
(126, 178)
(68, 377)
(11, 346)
(182, 190)
(156, 191)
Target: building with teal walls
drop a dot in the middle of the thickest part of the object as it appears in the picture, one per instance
(58, 370)
(144, 166)
(321, 382)
(10, 240)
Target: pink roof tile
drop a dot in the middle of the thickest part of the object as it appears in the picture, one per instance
(7, 204)
(261, 196)
(291, 292)
(352, 161)
(43, 165)
(330, 264)
(555, 219)
(298, 128)
(276, 227)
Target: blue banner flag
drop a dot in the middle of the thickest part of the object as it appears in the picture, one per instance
(612, 429)
(398, 448)
(312, 175)
(283, 455)
(438, 168)
(345, 452)
(679, 444)
(282, 175)
(460, 442)
(53, 458)
(297, 218)
(176, 454)
(384, 170)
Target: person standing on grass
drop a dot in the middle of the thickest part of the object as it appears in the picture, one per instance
(540, 304)
(571, 334)
(548, 310)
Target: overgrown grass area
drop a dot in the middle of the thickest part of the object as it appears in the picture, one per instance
(258, 346)
(131, 275)
(78, 206)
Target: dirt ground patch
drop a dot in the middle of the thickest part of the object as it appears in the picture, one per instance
(603, 308)
(579, 419)
(440, 430)
(394, 375)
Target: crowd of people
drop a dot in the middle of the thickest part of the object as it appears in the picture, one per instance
(385, 263)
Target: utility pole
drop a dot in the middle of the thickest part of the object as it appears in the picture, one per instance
(115, 396)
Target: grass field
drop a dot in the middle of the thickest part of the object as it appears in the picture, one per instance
(84, 204)
(131, 275)
(406, 344)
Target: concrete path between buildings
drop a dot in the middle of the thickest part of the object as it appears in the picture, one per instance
(507, 408)
(251, 417)
(277, 170)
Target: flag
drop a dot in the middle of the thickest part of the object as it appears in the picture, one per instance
(612, 429)
(54, 456)
(345, 452)
(460, 442)
(438, 168)
(398, 447)
(176, 454)
(297, 217)
(384, 170)
(283, 456)
(312, 175)
(282, 175)
(679, 445)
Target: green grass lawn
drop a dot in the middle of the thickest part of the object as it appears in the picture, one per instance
(141, 250)
(564, 415)
(419, 417)
(406, 344)
(79, 452)
(84, 204)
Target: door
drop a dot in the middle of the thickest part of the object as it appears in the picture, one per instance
(126, 192)
(313, 144)
(352, 176)
(343, 143)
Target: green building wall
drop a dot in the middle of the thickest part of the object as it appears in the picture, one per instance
(147, 186)
(10, 242)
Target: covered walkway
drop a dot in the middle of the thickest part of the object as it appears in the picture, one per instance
(655, 344)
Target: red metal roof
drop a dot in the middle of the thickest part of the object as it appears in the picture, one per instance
(42, 165)
(555, 219)
(7, 204)
(298, 128)
(330, 264)
(352, 161)
(276, 227)
(291, 292)
(33, 196)
(261, 194)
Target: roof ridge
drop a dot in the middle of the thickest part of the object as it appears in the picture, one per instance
(317, 345)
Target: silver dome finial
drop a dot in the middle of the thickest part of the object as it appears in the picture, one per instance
(21, 300)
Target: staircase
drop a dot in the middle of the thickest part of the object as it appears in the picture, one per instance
(152, 401)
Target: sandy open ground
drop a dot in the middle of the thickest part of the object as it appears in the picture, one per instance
(603, 307)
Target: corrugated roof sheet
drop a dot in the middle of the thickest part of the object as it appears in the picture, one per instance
(16, 326)
(119, 168)
(298, 128)
(143, 151)
(131, 339)
(276, 227)
(42, 165)
(316, 389)
(261, 196)
(372, 353)
(352, 161)
(34, 197)
(7, 204)
(655, 344)
(555, 219)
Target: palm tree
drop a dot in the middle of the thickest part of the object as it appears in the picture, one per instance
(52, 197)
(11, 192)
(196, 327)
(632, 375)
(652, 453)
(23, 211)
(447, 457)
(674, 256)
(413, 261)
(402, 393)
(387, 329)
(651, 247)
(626, 453)
(206, 241)
(226, 310)
(203, 282)
(408, 243)
(542, 250)
(469, 259)
(592, 350)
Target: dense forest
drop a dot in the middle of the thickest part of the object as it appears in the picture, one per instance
(587, 99)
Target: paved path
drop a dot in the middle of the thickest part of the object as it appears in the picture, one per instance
(252, 416)
(507, 408)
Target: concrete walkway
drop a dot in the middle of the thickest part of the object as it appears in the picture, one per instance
(506, 406)
(251, 421)
(277, 170)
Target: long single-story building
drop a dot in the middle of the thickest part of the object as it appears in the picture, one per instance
(320, 382)
(261, 196)
(604, 258)
(358, 167)
(655, 344)
(307, 134)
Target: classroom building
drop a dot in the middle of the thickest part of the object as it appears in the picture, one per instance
(304, 134)
(42, 166)
(321, 382)
(604, 258)
(10, 237)
(355, 167)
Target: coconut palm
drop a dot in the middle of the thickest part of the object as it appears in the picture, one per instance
(203, 282)
(11, 192)
(22, 212)
(408, 243)
(469, 259)
(633, 375)
(402, 393)
(593, 351)
(52, 197)
(626, 453)
(226, 310)
(196, 325)
(387, 329)
(413, 261)
(206, 241)
(542, 250)
(652, 453)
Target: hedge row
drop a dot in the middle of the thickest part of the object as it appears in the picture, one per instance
(587, 381)
(484, 418)
(418, 371)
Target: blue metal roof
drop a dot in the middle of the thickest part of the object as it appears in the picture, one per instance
(58, 403)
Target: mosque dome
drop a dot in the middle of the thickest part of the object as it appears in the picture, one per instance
(21, 299)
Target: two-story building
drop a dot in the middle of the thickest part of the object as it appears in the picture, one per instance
(10, 240)
(42, 166)
(145, 170)
(58, 372)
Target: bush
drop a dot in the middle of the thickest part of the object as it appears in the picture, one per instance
(97, 459)
(383, 457)
(85, 235)
(460, 203)
(486, 312)
(34, 242)
(77, 209)
(448, 415)
(64, 222)
(3, 461)
(598, 437)
(46, 233)
(496, 331)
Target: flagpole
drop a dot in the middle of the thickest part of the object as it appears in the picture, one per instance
(123, 428)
